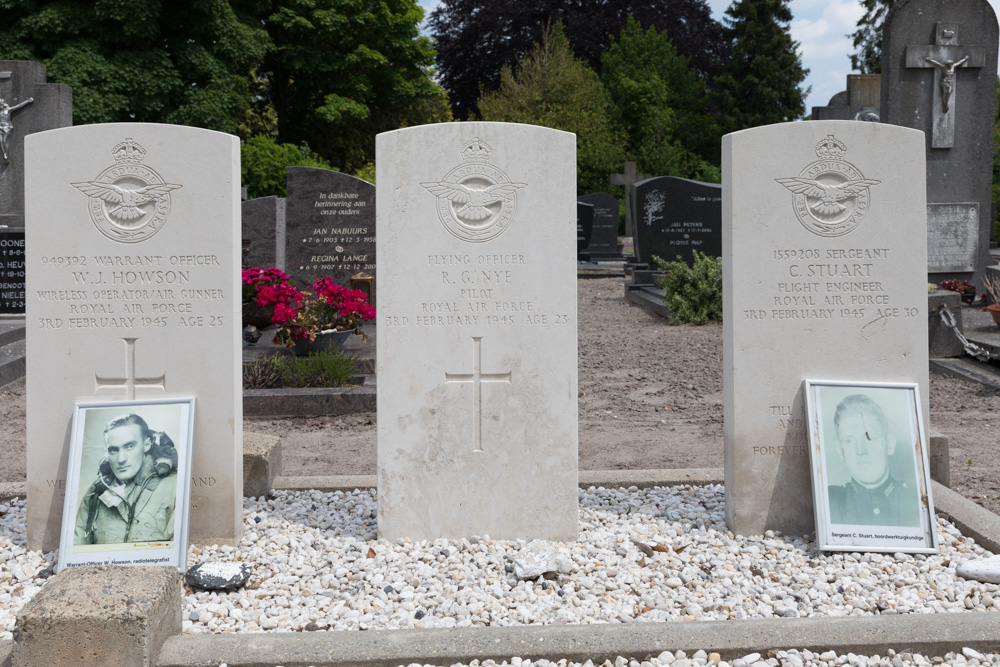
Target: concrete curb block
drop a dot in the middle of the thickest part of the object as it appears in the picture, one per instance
(610, 479)
(973, 520)
(11, 490)
(931, 634)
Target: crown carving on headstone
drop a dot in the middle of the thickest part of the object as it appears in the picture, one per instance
(476, 150)
(830, 148)
(128, 152)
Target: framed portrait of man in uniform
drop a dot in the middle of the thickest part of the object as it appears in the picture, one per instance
(870, 469)
(128, 484)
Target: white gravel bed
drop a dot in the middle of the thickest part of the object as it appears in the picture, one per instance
(318, 565)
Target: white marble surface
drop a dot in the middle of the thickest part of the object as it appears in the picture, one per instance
(813, 288)
(162, 271)
(477, 345)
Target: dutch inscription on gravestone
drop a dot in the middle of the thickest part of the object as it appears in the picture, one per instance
(677, 216)
(823, 278)
(477, 397)
(604, 235)
(134, 296)
(330, 225)
(584, 227)
(11, 272)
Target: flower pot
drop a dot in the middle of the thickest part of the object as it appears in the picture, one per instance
(994, 310)
(968, 297)
(258, 316)
(324, 341)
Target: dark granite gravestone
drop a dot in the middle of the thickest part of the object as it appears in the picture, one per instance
(263, 224)
(50, 107)
(11, 272)
(627, 179)
(604, 237)
(939, 73)
(675, 216)
(584, 227)
(330, 225)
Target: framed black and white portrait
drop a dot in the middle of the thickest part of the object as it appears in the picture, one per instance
(870, 470)
(128, 484)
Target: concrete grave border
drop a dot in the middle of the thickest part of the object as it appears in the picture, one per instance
(931, 634)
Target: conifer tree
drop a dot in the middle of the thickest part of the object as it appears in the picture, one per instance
(762, 82)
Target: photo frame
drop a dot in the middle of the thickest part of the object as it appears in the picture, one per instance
(870, 468)
(128, 484)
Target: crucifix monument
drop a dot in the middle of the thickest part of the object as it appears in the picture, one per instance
(939, 69)
(133, 250)
(627, 179)
(477, 221)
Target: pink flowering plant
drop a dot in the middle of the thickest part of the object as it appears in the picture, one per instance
(269, 287)
(323, 308)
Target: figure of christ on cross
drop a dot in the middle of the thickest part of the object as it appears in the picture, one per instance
(477, 378)
(130, 381)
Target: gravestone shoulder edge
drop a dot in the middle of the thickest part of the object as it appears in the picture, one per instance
(131, 129)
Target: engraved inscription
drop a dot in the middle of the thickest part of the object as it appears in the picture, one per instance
(831, 196)
(476, 201)
(952, 236)
(129, 202)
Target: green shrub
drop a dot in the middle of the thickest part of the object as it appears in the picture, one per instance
(329, 368)
(693, 293)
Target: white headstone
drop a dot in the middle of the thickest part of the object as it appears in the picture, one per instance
(477, 361)
(824, 277)
(133, 257)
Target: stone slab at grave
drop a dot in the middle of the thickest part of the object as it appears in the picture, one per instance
(939, 69)
(676, 216)
(626, 180)
(12, 272)
(133, 254)
(330, 225)
(584, 227)
(823, 278)
(477, 343)
(604, 237)
(264, 227)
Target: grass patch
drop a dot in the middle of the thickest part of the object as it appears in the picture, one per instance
(329, 368)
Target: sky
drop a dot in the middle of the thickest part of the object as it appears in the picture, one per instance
(821, 28)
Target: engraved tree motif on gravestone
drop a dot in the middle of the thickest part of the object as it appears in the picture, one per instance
(831, 195)
(654, 205)
(7, 125)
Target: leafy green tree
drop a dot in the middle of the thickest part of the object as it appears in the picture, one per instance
(343, 71)
(762, 83)
(181, 62)
(553, 88)
(475, 39)
(661, 101)
(263, 162)
(867, 39)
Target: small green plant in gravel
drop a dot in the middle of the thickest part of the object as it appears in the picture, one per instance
(329, 368)
(693, 293)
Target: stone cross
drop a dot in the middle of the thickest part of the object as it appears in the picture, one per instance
(944, 56)
(130, 381)
(477, 377)
(627, 180)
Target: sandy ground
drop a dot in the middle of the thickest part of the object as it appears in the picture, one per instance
(650, 397)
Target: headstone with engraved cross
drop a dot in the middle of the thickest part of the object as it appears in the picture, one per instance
(939, 69)
(133, 249)
(477, 376)
(627, 179)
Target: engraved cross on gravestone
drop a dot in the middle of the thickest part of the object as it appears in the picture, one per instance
(130, 381)
(627, 180)
(944, 56)
(477, 377)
